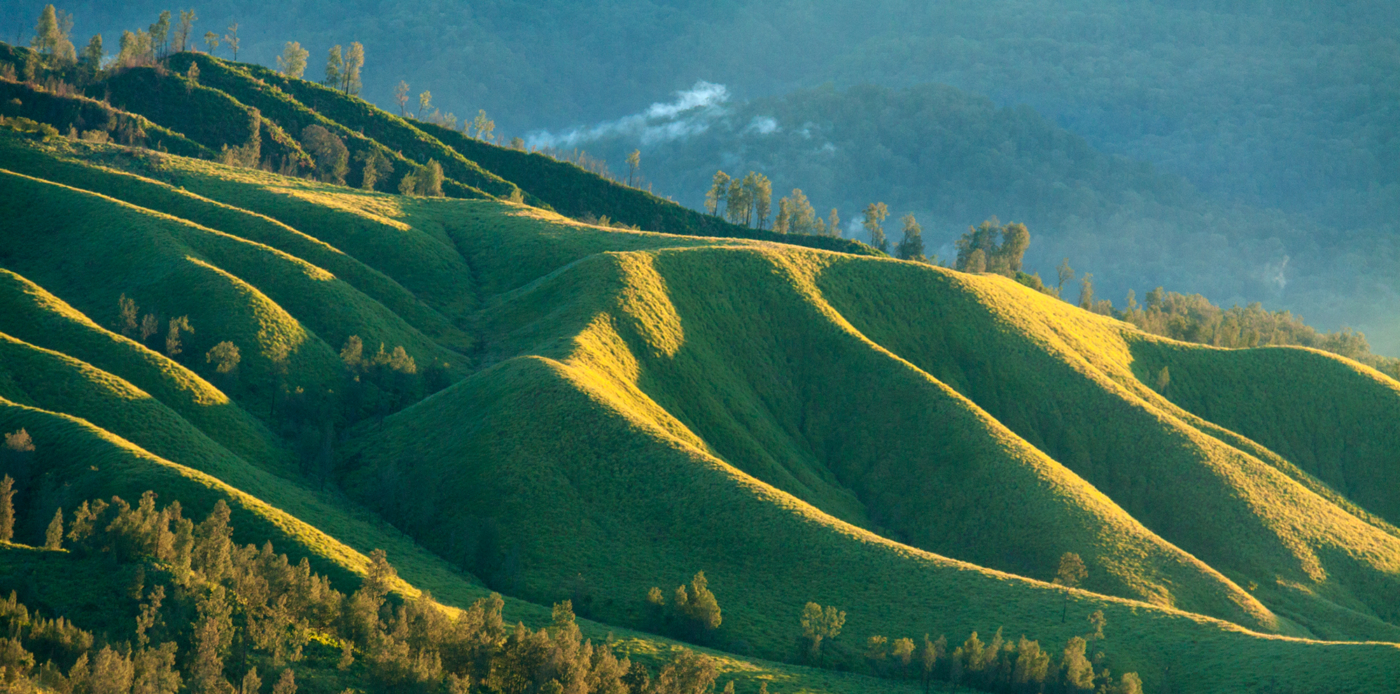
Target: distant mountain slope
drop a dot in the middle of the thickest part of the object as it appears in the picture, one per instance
(1287, 105)
(953, 158)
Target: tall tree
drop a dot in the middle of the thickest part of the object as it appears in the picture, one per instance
(928, 657)
(761, 195)
(911, 247)
(430, 184)
(1070, 573)
(1065, 273)
(1071, 570)
(150, 325)
(376, 167)
(484, 126)
(51, 35)
(182, 35)
(820, 625)
(7, 509)
(173, 344)
(53, 535)
(251, 683)
(1098, 621)
(211, 41)
(1079, 672)
(292, 62)
(756, 195)
(401, 96)
(984, 237)
(335, 64)
(634, 161)
(875, 214)
(1015, 239)
(92, 55)
(833, 223)
(408, 185)
(354, 62)
(160, 34)
(425, 102)
(329, 151)
(976, 262)
(135, 49)
(736, 207)
(718, 194)
(781, 222)
(696, 604)
(127, 316)
(1156, 299)
(286, 684)
(231, 38)
(213, 634)
(802, 219)
(1086, 291)
(1032, 664)
(46, 31)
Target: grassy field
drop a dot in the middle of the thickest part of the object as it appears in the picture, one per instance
(913, 445)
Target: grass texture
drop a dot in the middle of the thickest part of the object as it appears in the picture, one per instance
(913, 445)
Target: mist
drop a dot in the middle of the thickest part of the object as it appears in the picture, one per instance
(690, 112)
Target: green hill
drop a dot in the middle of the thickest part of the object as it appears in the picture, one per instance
(562, 411)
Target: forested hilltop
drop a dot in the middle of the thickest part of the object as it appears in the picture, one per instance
(298, 394)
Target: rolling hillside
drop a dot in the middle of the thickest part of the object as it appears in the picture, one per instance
(505, 399)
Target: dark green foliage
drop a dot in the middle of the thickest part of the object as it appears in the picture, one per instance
(1034, 282)
(819, 627)
(207, 116)
(425, 181)
(374, 168)
(1002, 247)
(377, 383)
(387, 129)
(1194, 318)
(911, 246)
(74, 111)
(329, 152)
(53, 535)
(697, 604)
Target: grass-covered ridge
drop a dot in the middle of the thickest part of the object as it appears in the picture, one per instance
(568, 411)
(197, 105)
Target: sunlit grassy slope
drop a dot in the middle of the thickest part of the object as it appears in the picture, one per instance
(913, 445)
